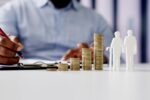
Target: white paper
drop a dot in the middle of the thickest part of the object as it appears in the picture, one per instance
(34, 61)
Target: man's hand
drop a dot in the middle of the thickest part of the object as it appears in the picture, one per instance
(8, 50)
(77, 52)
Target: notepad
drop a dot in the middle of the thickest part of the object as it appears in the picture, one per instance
(34, 61)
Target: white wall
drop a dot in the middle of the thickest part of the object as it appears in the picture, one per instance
(86, 3)
(103, 7)
(3, 1)
(129, 18)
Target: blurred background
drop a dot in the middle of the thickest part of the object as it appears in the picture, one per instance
(123, 15)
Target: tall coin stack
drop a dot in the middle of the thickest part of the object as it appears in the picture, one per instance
(86, 59)
(98, 51)
(75, 64)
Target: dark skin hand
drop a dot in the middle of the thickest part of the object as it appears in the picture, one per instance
(77, 52)
(8, 50)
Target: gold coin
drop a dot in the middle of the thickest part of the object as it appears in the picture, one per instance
(75, 63)
(62, 67)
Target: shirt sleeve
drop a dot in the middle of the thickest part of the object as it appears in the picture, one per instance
(8, 21)
(105, 29)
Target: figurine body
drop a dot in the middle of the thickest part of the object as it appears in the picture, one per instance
(130, 46)
(115, 50)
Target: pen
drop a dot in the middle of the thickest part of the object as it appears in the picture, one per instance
(2, 33)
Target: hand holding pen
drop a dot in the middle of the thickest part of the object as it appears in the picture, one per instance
(9, 47)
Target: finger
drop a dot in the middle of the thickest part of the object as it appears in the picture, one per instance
(8, 44)
(82, 45)
(70, 53)
(17, 41)
(6, 52)
(9, 61)
(67, 54)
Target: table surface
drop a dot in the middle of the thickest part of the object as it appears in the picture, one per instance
(76, 85)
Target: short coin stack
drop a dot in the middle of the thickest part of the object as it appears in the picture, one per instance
(86, 59)
(75, 64)
(98, 51)
(62, 67)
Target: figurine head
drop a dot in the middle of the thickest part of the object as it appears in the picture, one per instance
(117, 34)
(130, 32)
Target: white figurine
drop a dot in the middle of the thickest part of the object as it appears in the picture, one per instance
(130, 46)
(115, 50)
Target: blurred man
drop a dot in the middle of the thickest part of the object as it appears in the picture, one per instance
(49, 28)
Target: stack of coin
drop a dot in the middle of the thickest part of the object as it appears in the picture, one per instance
(75, 64)
(98, 51)
(62, 67)
(86, 59)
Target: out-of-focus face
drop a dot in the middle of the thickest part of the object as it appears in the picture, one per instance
(60, 3)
